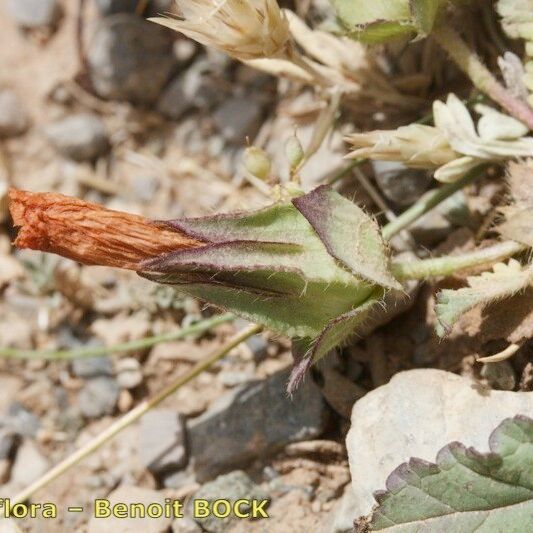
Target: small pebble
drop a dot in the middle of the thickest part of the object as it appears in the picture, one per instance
(162, 441)
(400, 184)
(238, 118)
(129, 374)
(22, 421)
(29, 465)
(500, 375)
(130, 58)
(81, 137)
(98, 397)
(90, 367)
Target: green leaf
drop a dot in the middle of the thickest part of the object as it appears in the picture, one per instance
(381, 20)
(504, 281)
(424, 13)
(381, 32)
(374, 22)
(355, 13)
(307, 351)
(348, 234)
(464, 491)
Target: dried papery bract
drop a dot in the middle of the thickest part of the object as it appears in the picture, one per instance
(89, 233)
(244, 29)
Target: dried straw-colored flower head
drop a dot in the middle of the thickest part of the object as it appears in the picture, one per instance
(244, 29)
(416, 145)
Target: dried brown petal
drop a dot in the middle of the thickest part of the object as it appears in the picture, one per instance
(89, 233)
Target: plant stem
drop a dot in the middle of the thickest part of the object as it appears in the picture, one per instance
(428, 202)
(140, 344)
(468, 61)
(344, 171)
(447, 265)
(133, 416)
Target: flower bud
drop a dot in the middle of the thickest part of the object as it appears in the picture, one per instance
(257, 162)
(294, 152)
(313, 268)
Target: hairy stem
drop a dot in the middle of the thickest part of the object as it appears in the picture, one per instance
(140, 344)
(468, 61)
(132, 416)
(447, 265)
(428, 202)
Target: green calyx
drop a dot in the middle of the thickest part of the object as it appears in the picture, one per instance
(384, 20)
(312, 269)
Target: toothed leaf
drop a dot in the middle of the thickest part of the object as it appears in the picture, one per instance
(464, 490)
(504, 281)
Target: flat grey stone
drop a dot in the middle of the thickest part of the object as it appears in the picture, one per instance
(195, 88)
(130, 58)
(162, 441)
(238, 118)
(173, 102)
(98, 397)
(90, 367)
(253, 420)
(81, 137)
(21, 421)
(400, 184)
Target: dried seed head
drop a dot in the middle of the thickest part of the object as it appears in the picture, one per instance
(89, 233)
(244, 29)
